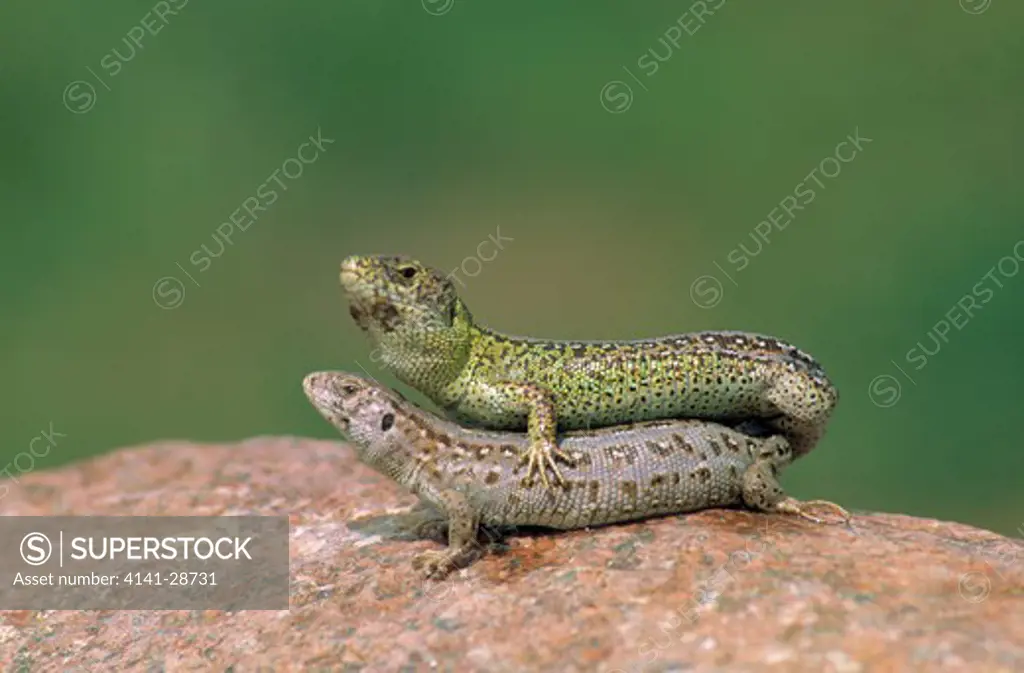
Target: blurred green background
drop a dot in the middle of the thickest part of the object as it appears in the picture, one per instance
(452, 120)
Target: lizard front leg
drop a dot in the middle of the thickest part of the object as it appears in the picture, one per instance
(463, 522)
(504, 400)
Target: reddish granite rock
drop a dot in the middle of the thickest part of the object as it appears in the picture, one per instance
(713, 591)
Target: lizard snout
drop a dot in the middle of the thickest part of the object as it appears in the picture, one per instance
(349, 270)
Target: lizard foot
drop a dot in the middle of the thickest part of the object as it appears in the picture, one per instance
(540, 457)
(801, 509)
(434, 565)
(428, 528)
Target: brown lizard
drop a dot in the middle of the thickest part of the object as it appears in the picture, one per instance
(621, 473)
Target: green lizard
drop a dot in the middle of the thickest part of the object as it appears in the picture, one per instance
(427, 336)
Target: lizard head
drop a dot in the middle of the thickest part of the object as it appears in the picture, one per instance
(359, 408)
(409, 310)
(387, 292)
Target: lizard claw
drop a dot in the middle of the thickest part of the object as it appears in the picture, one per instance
(541, 457)
(800, 508)
(434, 564)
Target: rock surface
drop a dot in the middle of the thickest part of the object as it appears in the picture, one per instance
(714, 591)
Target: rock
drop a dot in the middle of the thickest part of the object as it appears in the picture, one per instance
(713, 591)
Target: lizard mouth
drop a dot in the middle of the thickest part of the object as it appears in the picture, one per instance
(385, 315)
(324, 399)
(380, 314)
(359, 315)
(349, 278)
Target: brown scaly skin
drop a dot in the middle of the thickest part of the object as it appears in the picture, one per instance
(427, 336)
(621, 473)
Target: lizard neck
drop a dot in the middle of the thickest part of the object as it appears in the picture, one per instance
(417, 452)
(427, 454)
(431, 359)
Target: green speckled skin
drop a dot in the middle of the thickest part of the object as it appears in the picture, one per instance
(426, 335)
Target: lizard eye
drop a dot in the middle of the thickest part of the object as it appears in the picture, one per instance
(407, 271)
(386, 422)
(348, 389)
